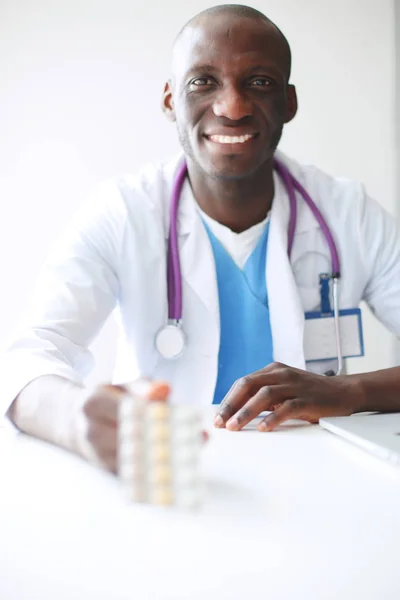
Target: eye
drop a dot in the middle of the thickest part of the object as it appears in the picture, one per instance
(261, 82)
(200, 82)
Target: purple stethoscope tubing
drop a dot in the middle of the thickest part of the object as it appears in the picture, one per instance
(291, 185)
(174, 281)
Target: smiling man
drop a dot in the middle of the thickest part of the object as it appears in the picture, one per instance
(227, 134)
(224, 264)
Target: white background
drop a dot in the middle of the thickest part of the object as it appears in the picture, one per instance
(81, 83)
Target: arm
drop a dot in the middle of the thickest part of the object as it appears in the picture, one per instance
(75, 418)
(49, 357)
(379, 241)
(50, 408)
(291, 393)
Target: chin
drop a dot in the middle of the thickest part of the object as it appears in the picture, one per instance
(233, 169)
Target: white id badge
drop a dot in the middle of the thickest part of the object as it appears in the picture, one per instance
(320, 338)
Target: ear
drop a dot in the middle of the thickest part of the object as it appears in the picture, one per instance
(292, 105)
(167, 104)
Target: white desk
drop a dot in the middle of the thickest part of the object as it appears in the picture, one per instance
(297, 514)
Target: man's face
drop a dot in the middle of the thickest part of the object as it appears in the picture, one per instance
(229, 95)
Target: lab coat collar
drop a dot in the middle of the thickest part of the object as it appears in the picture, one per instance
(305, 218)
(286, 311)
(187, 213)
(195, 253)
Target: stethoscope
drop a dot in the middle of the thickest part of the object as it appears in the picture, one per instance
(171, 340)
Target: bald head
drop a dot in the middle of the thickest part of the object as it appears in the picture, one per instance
(230, 77)
(229, 13)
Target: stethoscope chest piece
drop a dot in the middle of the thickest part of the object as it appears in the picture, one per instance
(170, 341)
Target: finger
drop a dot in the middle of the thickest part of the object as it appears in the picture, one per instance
(103, 440)
(159, 391)
(291, 409)
(110, 463)
(103, 405)
(205, 436)
(244, 389)
(265, 399)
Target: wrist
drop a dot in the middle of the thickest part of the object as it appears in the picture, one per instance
(79, 443)
(357, 393)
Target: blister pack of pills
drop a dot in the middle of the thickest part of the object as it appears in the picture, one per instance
(159, 452)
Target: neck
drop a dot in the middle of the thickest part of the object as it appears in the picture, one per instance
(237, 203)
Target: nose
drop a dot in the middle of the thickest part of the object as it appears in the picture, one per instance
(232, 104)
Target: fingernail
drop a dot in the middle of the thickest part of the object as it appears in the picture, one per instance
(232, 424)
(218, 422)
(159, 391)
(262, 426)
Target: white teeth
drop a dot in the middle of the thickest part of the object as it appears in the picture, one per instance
(231, 139)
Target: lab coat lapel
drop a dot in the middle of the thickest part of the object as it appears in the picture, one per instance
(286, 312)
(196, 255)
(198, 271)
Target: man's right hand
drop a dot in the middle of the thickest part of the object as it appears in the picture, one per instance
(97, 439)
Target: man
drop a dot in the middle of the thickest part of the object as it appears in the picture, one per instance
(244, 298)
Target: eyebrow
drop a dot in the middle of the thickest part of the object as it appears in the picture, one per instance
(213, 68)
(274, 67)
(201, 67)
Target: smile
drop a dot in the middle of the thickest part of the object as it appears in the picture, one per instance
(231, 139)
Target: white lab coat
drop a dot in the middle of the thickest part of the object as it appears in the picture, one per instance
(114, 255)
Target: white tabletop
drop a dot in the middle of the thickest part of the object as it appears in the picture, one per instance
(296, 514)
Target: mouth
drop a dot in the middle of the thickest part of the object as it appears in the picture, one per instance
(231, 139)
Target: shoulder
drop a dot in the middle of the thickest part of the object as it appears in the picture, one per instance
(145, 188)
(130, 197)
(151, 186)
(323, 187)
(120, 206)
(341, 199)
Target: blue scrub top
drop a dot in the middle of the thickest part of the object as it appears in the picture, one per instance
(246, 339)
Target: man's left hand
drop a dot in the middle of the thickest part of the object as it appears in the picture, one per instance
(290, 394)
